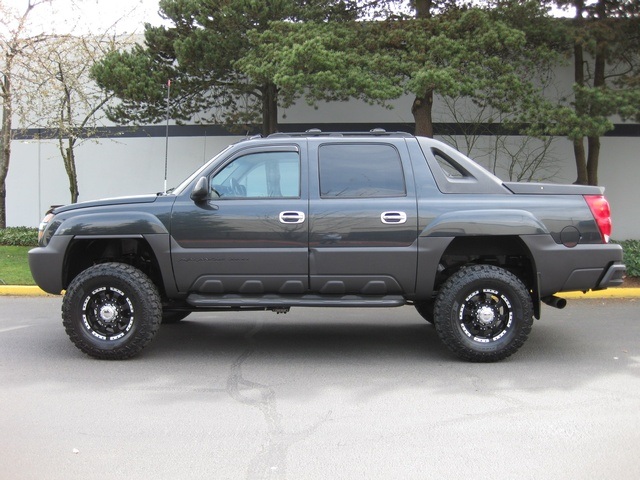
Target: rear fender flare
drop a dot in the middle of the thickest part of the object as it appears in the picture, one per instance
(485, 223)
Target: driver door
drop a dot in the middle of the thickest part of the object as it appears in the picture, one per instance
(250, 234)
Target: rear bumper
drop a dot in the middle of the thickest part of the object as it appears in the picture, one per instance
(581, 268)
(613, 277)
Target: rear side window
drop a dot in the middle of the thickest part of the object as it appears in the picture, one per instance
(350, 171)
(449, 167)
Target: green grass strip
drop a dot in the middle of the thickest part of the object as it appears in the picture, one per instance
(14, 266)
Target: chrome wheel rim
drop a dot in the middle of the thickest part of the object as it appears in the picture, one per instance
(485, 315)
(107, 313)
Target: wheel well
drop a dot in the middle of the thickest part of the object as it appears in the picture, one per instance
(136, 252)
(508, 252)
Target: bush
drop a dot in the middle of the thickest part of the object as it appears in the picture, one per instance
(19, 236)
(631, 256)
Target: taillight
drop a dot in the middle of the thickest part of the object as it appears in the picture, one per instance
(602, 214)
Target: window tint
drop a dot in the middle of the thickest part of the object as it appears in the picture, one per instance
(450, 168)
(360, 171)
(259, 175)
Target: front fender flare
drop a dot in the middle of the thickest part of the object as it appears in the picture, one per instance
(112, 224)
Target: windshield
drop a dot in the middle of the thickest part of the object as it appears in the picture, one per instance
(180, 188)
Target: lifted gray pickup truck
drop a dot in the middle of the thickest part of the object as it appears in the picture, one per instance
(319, 219)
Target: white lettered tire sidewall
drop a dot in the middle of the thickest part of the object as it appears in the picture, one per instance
(111, 311)
(483, 313)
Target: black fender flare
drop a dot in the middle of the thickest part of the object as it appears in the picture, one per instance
(111, 224)
(485, 223)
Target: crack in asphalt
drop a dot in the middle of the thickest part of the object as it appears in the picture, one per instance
(271, 460)
(11, 329)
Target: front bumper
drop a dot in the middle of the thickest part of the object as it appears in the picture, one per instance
(46, 264)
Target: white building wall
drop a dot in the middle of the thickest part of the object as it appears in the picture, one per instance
(106, 168)
(619, 173)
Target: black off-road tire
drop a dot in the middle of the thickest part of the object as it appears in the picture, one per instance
(483, 313)
(425, 309)
(111, 311)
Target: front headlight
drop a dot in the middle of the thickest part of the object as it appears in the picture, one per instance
(44, 231)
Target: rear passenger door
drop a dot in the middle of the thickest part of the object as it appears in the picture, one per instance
(363, 218)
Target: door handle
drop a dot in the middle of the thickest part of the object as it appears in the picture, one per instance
(396, 218)
(292, 217)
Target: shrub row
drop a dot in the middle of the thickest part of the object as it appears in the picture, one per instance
(19, 236)
(631, 250)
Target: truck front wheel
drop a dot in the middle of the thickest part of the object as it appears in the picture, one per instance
(483, 313)
(111, 311)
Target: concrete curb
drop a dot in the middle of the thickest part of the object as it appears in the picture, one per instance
(22, 291)
(608, 293)
(33, 291)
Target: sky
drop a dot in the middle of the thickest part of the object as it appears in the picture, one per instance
(84, 16)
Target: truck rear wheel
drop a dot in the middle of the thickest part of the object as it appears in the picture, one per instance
(483, 313)
(111, 311)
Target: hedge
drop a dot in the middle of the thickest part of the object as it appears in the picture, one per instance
(19, 236)
(631, 256)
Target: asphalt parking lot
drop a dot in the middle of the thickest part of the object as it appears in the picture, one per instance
(321, 394)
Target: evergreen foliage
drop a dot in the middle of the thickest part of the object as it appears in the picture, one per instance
(198, 54)
(460, 51)
(604, 42)
(236, 62)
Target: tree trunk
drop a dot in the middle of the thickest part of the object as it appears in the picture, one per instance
(423, 8)
(581, 162)
(592, 160)
(578, 143)
(68, 157)
(67, 153)
(70, 166)
(269, 109)
(599, 81)
(422, 106)
(578, 77)
(5, 145)
(11, 48)
(422, 114)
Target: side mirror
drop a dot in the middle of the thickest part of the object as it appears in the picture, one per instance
(201, 190)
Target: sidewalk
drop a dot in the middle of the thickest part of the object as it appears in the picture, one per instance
(32, 291)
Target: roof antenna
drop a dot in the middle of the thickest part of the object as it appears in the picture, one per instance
(166, 142)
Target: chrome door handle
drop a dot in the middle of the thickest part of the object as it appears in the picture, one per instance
(397, 218)
(292, 217)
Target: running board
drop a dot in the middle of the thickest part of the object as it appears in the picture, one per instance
(285, 301)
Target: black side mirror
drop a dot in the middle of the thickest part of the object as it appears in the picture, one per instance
(201, 190)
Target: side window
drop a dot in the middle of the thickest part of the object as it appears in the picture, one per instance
(450, 168)
(259, 175)
(360, 171)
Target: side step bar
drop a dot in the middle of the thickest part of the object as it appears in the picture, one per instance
(285, 301)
